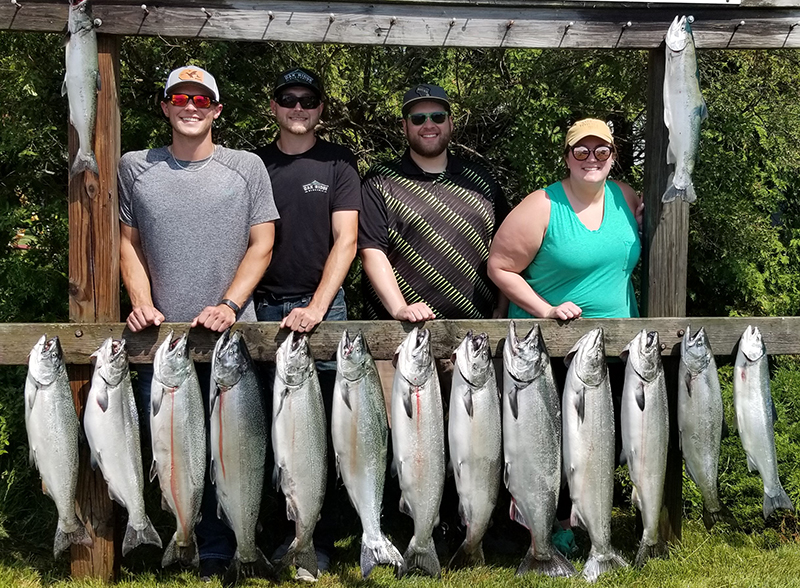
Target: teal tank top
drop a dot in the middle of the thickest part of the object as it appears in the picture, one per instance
(590, 268)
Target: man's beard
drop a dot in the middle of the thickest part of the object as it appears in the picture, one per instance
(426, 149)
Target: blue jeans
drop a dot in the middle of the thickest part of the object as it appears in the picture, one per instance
(271, 309)
(215, 540)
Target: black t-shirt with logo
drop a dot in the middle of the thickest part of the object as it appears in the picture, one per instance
(308, 188)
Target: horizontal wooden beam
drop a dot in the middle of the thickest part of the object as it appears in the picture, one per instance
(574, 25)
(79, 341)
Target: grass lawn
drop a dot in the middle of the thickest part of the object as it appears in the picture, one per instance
(722, 558)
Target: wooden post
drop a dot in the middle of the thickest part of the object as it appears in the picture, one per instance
(94, 295)
(664, 263)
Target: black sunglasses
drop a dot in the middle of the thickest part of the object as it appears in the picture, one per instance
(601, 152)
(419, 118)
(182, 100)
(290, 101)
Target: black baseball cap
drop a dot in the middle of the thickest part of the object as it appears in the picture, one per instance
(298, 76)
(425, 92)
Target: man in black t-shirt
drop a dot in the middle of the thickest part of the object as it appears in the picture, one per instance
(317, 193)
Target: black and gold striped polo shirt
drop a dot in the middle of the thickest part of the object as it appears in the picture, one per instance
(435, 230)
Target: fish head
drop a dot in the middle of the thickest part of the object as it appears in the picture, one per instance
(46, 361)
(231, 359)
(695, 350)
(352, 356)
(111, 361)
(294, 361)
(588, 358)
(525, 359)
(643, 354)
(413, 359)
(172, 363)
(678, 34)
(751, 344)
(80, 16)
(473, 359)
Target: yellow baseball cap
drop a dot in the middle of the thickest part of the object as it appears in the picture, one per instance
(588, 127)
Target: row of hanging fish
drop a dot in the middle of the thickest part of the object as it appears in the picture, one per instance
(524, 436)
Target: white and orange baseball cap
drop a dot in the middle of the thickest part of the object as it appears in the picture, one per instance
(195, 75)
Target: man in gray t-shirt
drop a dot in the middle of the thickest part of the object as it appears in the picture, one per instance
(196, 235)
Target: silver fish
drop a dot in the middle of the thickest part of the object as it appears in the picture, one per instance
(418, 445)
(52, 426)
(177, 428)
(81, 82)
(755, 415)
(475, 440)
(238, 440)
(684, 109)
(360, 439)
(532, 447)
(300, 445)
(588, 428)
(700, 420)
(111, 422)
(645, 436)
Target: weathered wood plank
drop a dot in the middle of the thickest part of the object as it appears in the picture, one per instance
(781, 335)
(426, 24)
(94, 296)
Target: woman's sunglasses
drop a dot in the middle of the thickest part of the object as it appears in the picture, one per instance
(601, 152)
(290, 101)
(419, 118)
(183, 99)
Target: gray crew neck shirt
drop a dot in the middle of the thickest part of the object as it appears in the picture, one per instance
(194, 223)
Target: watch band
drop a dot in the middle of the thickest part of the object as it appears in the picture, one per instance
(232, 305)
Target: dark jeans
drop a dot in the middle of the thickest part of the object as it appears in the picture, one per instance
(214, 538)
(271, 309)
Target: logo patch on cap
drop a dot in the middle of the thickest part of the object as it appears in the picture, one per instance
(191, 75)
(422, 91)
(298, 76)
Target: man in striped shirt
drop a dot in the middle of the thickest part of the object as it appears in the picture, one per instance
(427, 221)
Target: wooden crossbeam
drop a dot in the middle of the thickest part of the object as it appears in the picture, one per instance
(569, 25)
(781, 336)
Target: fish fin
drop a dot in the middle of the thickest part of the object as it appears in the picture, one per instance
(513, 401)
(31, 398)
(516, 514)
(580, 403)
(102, 399)
(420, 558)
(83, 162)
(672, 191)
(276, 477)
(222, 515)
(689, 472)
(636, 500)
(94, 460)
(575, 519)
(407, 401)
(164, 504)
(702, 110)
(772, 503)
(64, 539)
(405, 508)
(238, 571)
(722, 515)
(598, 564)
(304, 557)
(98, 82)
(467, 398)
(394, 469)
(212, 474)
(291, 511)
(346, 395)
(648, 552)
(725, 429)
(555, 566)
(284, 393)
(146, 535)
(186, 554)
(623, 457)
(689, 195)
(32, 458)
(153, 470)
(640, 396)
(467, 556)
(64, 87)
(751, 466)
(506, 469)
(382, 553)
(463, 514)
(116, 497)
(687, 379)
(156, 397)
(213, 395)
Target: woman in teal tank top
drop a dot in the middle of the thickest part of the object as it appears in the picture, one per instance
(569, 250)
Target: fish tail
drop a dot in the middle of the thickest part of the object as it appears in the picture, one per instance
(420, 558)
(555, 566)
(647, 552)
(186, 554)
(468, 556)
(722, 515)
(689, 194)
(135, 537)
(301, 556)
(238, 570)
(600, 563)
(64, 539)
(772, 503)
(672, 193)
(382, 553)
(84, 160)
